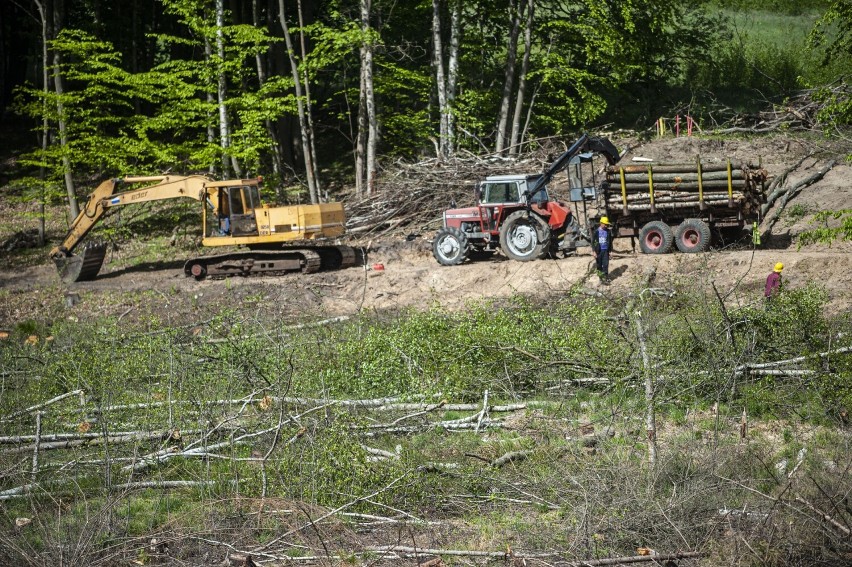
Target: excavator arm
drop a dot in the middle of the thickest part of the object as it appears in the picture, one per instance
(86, 265)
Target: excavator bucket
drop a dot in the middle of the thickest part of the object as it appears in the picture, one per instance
(81, 268)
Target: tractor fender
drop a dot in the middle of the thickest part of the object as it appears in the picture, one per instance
(557, 214)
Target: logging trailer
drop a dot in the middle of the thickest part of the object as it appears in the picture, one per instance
(661, 205)
(232, 214)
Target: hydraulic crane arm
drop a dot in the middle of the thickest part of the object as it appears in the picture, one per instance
(584, 143)
(106, 197)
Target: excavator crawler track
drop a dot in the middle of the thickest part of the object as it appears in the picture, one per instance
(303, 260)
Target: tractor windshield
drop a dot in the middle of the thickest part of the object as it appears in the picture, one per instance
(500, 192)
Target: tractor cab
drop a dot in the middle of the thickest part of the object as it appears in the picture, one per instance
(510, 190)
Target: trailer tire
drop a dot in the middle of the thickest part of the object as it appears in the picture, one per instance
(656, 237)
(525, 236)
(692, 235)
(451, 246)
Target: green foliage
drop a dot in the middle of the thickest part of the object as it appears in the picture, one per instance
(460, 355)
(797, 212)
(827, 230)
(227, 376)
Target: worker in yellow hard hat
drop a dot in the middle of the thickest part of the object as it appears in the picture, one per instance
(602, 246)
(773, 282)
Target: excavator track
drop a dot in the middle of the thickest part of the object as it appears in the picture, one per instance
(304, 260)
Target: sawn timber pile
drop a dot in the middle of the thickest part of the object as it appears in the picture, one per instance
(682, 186)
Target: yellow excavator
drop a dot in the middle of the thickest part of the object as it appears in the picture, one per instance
(232, 214)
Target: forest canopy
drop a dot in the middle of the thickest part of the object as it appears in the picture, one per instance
(293, 90)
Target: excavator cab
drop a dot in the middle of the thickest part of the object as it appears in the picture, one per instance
(236, 210)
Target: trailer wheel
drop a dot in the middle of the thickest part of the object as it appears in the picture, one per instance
(451, 246)
(692, 235)
(656, 237)
(524, 236)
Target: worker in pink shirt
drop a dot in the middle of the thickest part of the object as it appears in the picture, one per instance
(773, 282)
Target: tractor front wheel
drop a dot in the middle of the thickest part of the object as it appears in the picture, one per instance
(451, 246)
(524, 236)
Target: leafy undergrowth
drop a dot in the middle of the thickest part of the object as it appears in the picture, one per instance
(510, 426)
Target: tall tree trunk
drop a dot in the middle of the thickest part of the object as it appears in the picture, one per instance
(370, 102)
(45, 125)
(515, 140)
(211, 100)
(309, 115)
(300, 104)
(440, 79)
(59, 86)
(361, 134)
(277, 160)
(453, 72)
(509, 79)
(221, 91)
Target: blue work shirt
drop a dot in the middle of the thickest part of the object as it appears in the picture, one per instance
(603, 238)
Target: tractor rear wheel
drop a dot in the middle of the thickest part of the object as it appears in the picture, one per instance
(692, 235)
(451, 246)
(524, 236)
(656, 237)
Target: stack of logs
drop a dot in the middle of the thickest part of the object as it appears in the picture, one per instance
(682, 186)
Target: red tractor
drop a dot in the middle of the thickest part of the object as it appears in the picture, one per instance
(516, 214)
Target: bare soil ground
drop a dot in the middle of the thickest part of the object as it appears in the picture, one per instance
(413, 279)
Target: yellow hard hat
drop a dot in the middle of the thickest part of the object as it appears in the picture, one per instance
(779, 266)
(604, 220)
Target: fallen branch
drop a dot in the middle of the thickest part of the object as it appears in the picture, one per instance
(794, 190)
(91, 439)
(165, 484)
(748, 367)
(170, 452)
(408, 551)
(455, 425)
(657, 559)
(42, 405)
(824, 516)
(510, 457)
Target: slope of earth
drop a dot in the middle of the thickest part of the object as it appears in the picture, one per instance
(412, 279)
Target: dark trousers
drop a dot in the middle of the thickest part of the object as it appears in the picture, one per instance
(603, 263)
